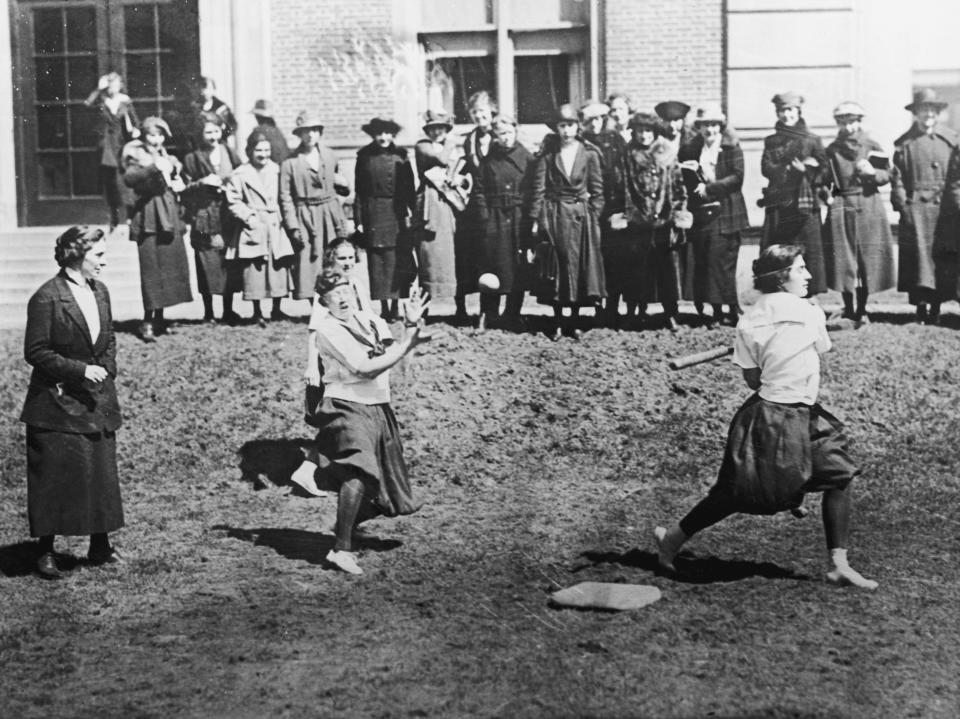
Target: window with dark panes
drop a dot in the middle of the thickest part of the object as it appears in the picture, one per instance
(543, 84)
(452, 80)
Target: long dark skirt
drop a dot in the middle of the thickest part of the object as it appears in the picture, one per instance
(468, 247)
(710, 265)
(72, 483)
(620, 261)
(776, 453)
(164, 271)
(788, 226)
(213, 275)
(658, 267)
(391, 270)
(365, 439)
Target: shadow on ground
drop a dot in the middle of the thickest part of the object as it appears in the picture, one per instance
(694, 570)
(299, 544)
(19, 560)
(270, 462)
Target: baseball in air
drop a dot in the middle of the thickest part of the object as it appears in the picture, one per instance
(488, 282)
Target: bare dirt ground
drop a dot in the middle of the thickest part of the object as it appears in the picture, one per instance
(540, 465)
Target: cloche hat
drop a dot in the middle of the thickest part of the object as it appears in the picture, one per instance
(787, 99)
(672, 110)
(848, 109)
(926, 96)
(305, 122)
(710, 112)
(436, 118)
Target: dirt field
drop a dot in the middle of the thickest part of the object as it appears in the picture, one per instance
(540, 465)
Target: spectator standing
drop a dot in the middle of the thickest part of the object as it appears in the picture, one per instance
(501, 191)
(385, 201)
(719, 215)
(674, 115)
(795, 165)
(469, 237)
(209, 102)
(119, 126)
(440, 196)
(71, 409)
(566, 202)
(655, 210)
(920, 163)
(156, 227)
(205, 172)
(259, 244)
(857, 240)
(615, 243)
(311, 211)
(620, 113)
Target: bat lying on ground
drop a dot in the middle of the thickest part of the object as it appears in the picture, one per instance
(833, 325)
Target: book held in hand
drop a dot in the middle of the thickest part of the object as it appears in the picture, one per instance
(879, 160)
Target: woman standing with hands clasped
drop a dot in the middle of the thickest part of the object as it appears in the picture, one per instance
(71, 410)
(358, 437)
(782, 444)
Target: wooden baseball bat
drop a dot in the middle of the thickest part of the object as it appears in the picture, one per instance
(699, 357)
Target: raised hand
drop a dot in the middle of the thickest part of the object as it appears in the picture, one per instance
(416, 305)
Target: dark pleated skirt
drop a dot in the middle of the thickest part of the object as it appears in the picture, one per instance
(365, 438)
(391, 271)
(72, 483)
(164, 270)
(776, 453)
(214, 276)
(710, 265)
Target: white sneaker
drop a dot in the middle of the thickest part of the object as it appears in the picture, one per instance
(347, 561)
(305, 477)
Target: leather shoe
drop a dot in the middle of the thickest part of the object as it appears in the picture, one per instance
(146, 332)
(47, 567)
(111, 556)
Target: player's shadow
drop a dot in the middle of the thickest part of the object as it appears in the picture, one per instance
(695, 570)
(299, 544)
(268, 463)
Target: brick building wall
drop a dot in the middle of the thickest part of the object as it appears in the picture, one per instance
(663, 49)
(325, 61)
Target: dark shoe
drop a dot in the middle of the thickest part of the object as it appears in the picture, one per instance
(577, 334)
(230, 318)
(145, 331)
(111, 556)
(262, 321)
(278, 316)
(933, 316)
(922, 312)
(554, 334)
(461, 317)
(47, 567)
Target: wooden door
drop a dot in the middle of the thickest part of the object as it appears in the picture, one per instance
(61, 49)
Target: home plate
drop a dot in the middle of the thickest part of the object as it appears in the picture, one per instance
(606, 595)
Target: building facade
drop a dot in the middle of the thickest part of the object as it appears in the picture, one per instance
(349, 60)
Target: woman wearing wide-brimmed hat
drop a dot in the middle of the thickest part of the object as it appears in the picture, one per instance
(920, 162)
(386, 200)
(312, 214)
(655, 212)
(674, 115)
(441, 196)
(795, 166)
(715, 162)
(857, 240)
(155, 225)
(566, 202)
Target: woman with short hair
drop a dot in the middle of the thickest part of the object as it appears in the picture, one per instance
(71, 410)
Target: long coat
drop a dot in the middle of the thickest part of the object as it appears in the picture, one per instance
(790, 198)
(501, 190)
(653, 193)
(157, 229)
(308, 203)
(72, 485)
(857, 240)
(713, 243)
(567, 210)
(436, 220)
(946, 245)
(617, 246)
(919, 176)
(469, 238)
(385, 202)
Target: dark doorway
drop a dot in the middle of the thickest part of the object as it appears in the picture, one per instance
(61, 48)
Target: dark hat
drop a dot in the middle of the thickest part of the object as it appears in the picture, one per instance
(305, 121)
(926, 96)
(380, 124)
(436, 118)
(564, 113)
(646, 121)
(787, 99)
(261, 108)
(672, 110)
(154, 122)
